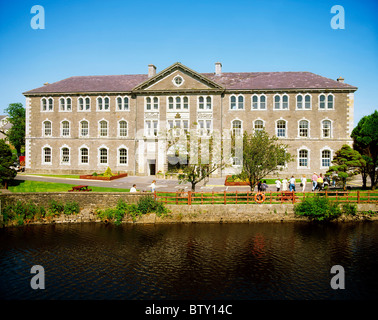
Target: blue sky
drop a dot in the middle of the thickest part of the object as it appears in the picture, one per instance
(123, 37)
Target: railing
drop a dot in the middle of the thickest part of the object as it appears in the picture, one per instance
(191, 198)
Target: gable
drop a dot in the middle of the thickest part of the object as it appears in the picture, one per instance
(188, 80)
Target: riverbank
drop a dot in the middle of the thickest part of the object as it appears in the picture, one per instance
(274, 213)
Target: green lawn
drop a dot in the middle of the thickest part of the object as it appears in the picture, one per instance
(67, 176)
(40, 186)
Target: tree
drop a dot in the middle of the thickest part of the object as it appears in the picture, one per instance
(262, 155)
(16, 134)
(7, 160)
(365, 141)
(348, 162)
(198, 156)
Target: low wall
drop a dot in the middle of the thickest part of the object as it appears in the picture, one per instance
(230, 213)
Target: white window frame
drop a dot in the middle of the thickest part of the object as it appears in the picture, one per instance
(84, 104)
(47, 100)
(68, 163)
(237, 97)
(122, 103)
(259, 96)
(44, 155)
(62, 129)
(276, 129)
(99, 128)
(80, 155)
(203, 129)
(174, 104)
(303, 95)
(308, 128)
(81, 131)
(103, 104)
(119, 157)
(205, 103)
(153, 109)
(241, 127)
(254, 125)
(326, 148)
(119, 128)
(44, 128)
(326, 95)
(330, 130)
(63, 107)
(281, 96)
(150, 131)
(299, 159)
(99, 164)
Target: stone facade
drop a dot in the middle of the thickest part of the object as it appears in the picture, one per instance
(86, 124)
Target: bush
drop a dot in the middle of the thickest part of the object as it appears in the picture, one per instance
(147, 204)
(318, 209)
(349, 209)
(71, 208)
(55, 207)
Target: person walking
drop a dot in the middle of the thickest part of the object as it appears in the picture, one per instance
(292, 184)
(319, 182)
(278, 184)
(303, 183)
(264, 186)
(313, 179)
(133, 189)
(284, 184)
(153, 186)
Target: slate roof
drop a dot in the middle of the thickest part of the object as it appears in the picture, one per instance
(228, 80)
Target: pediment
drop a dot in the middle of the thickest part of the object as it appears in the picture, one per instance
(178, 78)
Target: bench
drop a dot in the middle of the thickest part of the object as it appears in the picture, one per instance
(287, 195)
(79, 188)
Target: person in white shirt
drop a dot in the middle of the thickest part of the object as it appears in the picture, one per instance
(292, 183)
(153, 186)
(133, 189)
(284, 184)
(303, 183)
(278, 184)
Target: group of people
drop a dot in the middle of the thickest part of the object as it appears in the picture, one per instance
(290, 184)
(152, 186)
(320, 182)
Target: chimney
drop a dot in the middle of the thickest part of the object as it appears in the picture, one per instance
(151, 70)
(46, 83)
(218, 68)
(340, 79)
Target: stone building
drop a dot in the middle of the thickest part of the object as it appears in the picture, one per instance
(85, 124)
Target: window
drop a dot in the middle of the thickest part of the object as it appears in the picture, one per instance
(281, 128)
(204, 127)
(47, 130)
(186, 103)
(65, 104)
(47, 104)
(178, 127)
(307, 101)
(65, 128)
(326, 158)
(151, 128)
(205, 103)
(237, 103)
(299, 101)
(103, 156)
(65, 156)
(303, 158)
(303, 129)
(304, 103)
(281, 102)
(236, 128)
(326, 101)
(258, 125)
(152, 103)
(103, 103)
(122, 103)
(326, 128)
(84, 128)
(122, 156)
(47, 155)
(122, 126)
(178, 81)
(84, 155)
(178, 103)
(258, 102)
(103, 128)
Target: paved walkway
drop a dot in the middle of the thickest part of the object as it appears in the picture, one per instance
(168, 185)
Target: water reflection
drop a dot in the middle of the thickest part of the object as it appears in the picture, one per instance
(190, 261)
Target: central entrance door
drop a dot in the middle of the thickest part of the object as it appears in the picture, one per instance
(151, 167)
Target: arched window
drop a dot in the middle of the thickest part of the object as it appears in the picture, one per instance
(259, 125)
(236, 128)
(255, 102)
(307, 101)
(80, 104)
(285, 101)
(326, 158)
(281, 128)
(299, 101)
(186, 103)
(122, 128)
(106, 103)
(65, 155)
(303, 128)
(103, 156)
(103, 128)
(44, 104)
(178, 103)
(100, 103)
(322, 99)
(330, 101)
(47, 155)
(122, 156)
(326, 128)
(233, 103)
(303, 158)
(65, 128)
(277, 102)
(84, 128)
(47, 128)
(170, 103)
(84, 155)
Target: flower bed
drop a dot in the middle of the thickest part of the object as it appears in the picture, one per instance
(231, 181)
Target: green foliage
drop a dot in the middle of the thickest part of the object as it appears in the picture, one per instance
(365, 141)
(262, 155)
(94, 174)
(71, 208)
(7, 160)
(55, 207)
(108, 173)
(318, 209)
(16, 134)
(349, 209)
(19, 212)
(347, 163)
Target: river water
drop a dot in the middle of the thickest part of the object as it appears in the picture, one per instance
(290, 261)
